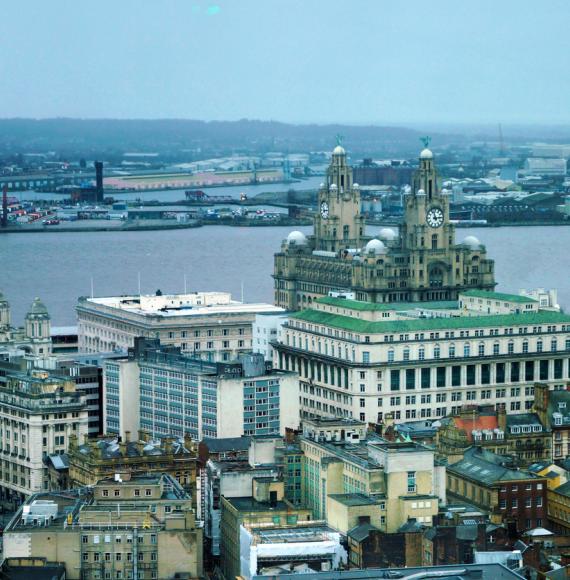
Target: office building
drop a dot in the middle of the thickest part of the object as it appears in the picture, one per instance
(265, 329)
(423, 360)
(208, 325)
(421, 262)
(167, 393)
(92, 460)
(143, 528)
(349, 474)
(265, 506)
(38, 415)
(491, 482)
(88, 379)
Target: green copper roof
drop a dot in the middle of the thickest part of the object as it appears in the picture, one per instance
(385, 306)
(419, 324)
(499, 296)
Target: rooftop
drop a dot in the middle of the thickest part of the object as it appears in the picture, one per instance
(498, 296)
(415, 324)
(177, 305)
(487, 468)
(227, 444)
(289, 535)
(353, 499)
(361, 532)
(249, 504)
(492, 571)
(385, 306)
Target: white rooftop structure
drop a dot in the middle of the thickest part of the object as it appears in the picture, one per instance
(194, 304)
(208, 324)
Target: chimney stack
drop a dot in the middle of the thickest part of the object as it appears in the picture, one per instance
(99, 181)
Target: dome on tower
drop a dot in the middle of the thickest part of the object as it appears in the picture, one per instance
(339, 150)
(296, 237)
(471, 242)
(426, 154)
(375, 247)
(387, 234)
(37, 310)
(421, 192)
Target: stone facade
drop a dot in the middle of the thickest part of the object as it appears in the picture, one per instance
(421, 263)
(141, 528)
(209, 325)
(97, 459)
(421, 360)
(34, 338)
(38, 415)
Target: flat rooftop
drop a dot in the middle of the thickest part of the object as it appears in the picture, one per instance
(180, 305)
(277, 535)
(248, 504)
(418, 324)
(459, 572)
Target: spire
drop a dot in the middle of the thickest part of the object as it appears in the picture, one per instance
(425, 178)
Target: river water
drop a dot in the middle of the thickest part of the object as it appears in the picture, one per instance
(178, 194)
(58, 267)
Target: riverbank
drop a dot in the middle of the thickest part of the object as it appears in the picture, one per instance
(112, 226)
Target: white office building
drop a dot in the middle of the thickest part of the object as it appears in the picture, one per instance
(209, 325)
(424, 360)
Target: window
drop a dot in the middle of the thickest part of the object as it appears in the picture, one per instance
(411, 481)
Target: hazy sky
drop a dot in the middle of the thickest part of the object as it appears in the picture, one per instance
(379, 61)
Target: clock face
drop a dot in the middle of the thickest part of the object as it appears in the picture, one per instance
(434, 217)
(324, 210)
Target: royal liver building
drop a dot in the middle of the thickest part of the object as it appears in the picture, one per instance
(421, 263)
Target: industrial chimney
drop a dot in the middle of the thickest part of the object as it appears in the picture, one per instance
(99, 181)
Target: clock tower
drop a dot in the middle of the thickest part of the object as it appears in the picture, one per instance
(427, 231)
(338, 223)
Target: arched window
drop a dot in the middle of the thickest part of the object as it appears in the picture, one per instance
(511, 347)
(481, 349)
(436, 351)
(436, 277)
(539, 345)
(496, 348)
(406, 353)
(466, 349)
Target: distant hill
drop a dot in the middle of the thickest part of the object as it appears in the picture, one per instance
(145, 135)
